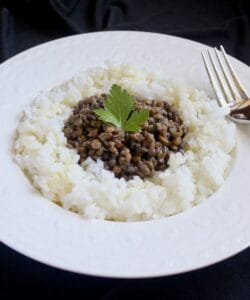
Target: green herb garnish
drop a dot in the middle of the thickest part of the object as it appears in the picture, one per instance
(118, 108)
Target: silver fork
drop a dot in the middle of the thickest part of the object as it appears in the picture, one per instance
(227, 86)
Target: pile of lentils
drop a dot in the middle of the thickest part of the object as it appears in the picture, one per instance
(126, 154)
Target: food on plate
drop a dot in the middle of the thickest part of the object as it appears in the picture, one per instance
(169, 148)
(125, 148)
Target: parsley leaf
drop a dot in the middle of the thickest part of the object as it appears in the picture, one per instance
(118, 110)
(136, 119)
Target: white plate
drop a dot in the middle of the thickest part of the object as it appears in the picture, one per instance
(208, 233)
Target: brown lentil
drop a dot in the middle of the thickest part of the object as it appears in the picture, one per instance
(126, 154)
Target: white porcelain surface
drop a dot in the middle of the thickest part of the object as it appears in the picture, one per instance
(210, 232)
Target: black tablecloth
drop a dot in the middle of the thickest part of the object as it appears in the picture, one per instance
(25, 23)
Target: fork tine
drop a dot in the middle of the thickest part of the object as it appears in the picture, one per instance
(234, 92)
(234, 76)
(219, 78)
(220, 98)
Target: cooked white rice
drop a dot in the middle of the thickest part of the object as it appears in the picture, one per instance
(40, 150)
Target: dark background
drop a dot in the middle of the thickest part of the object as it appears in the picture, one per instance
(26, 23)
